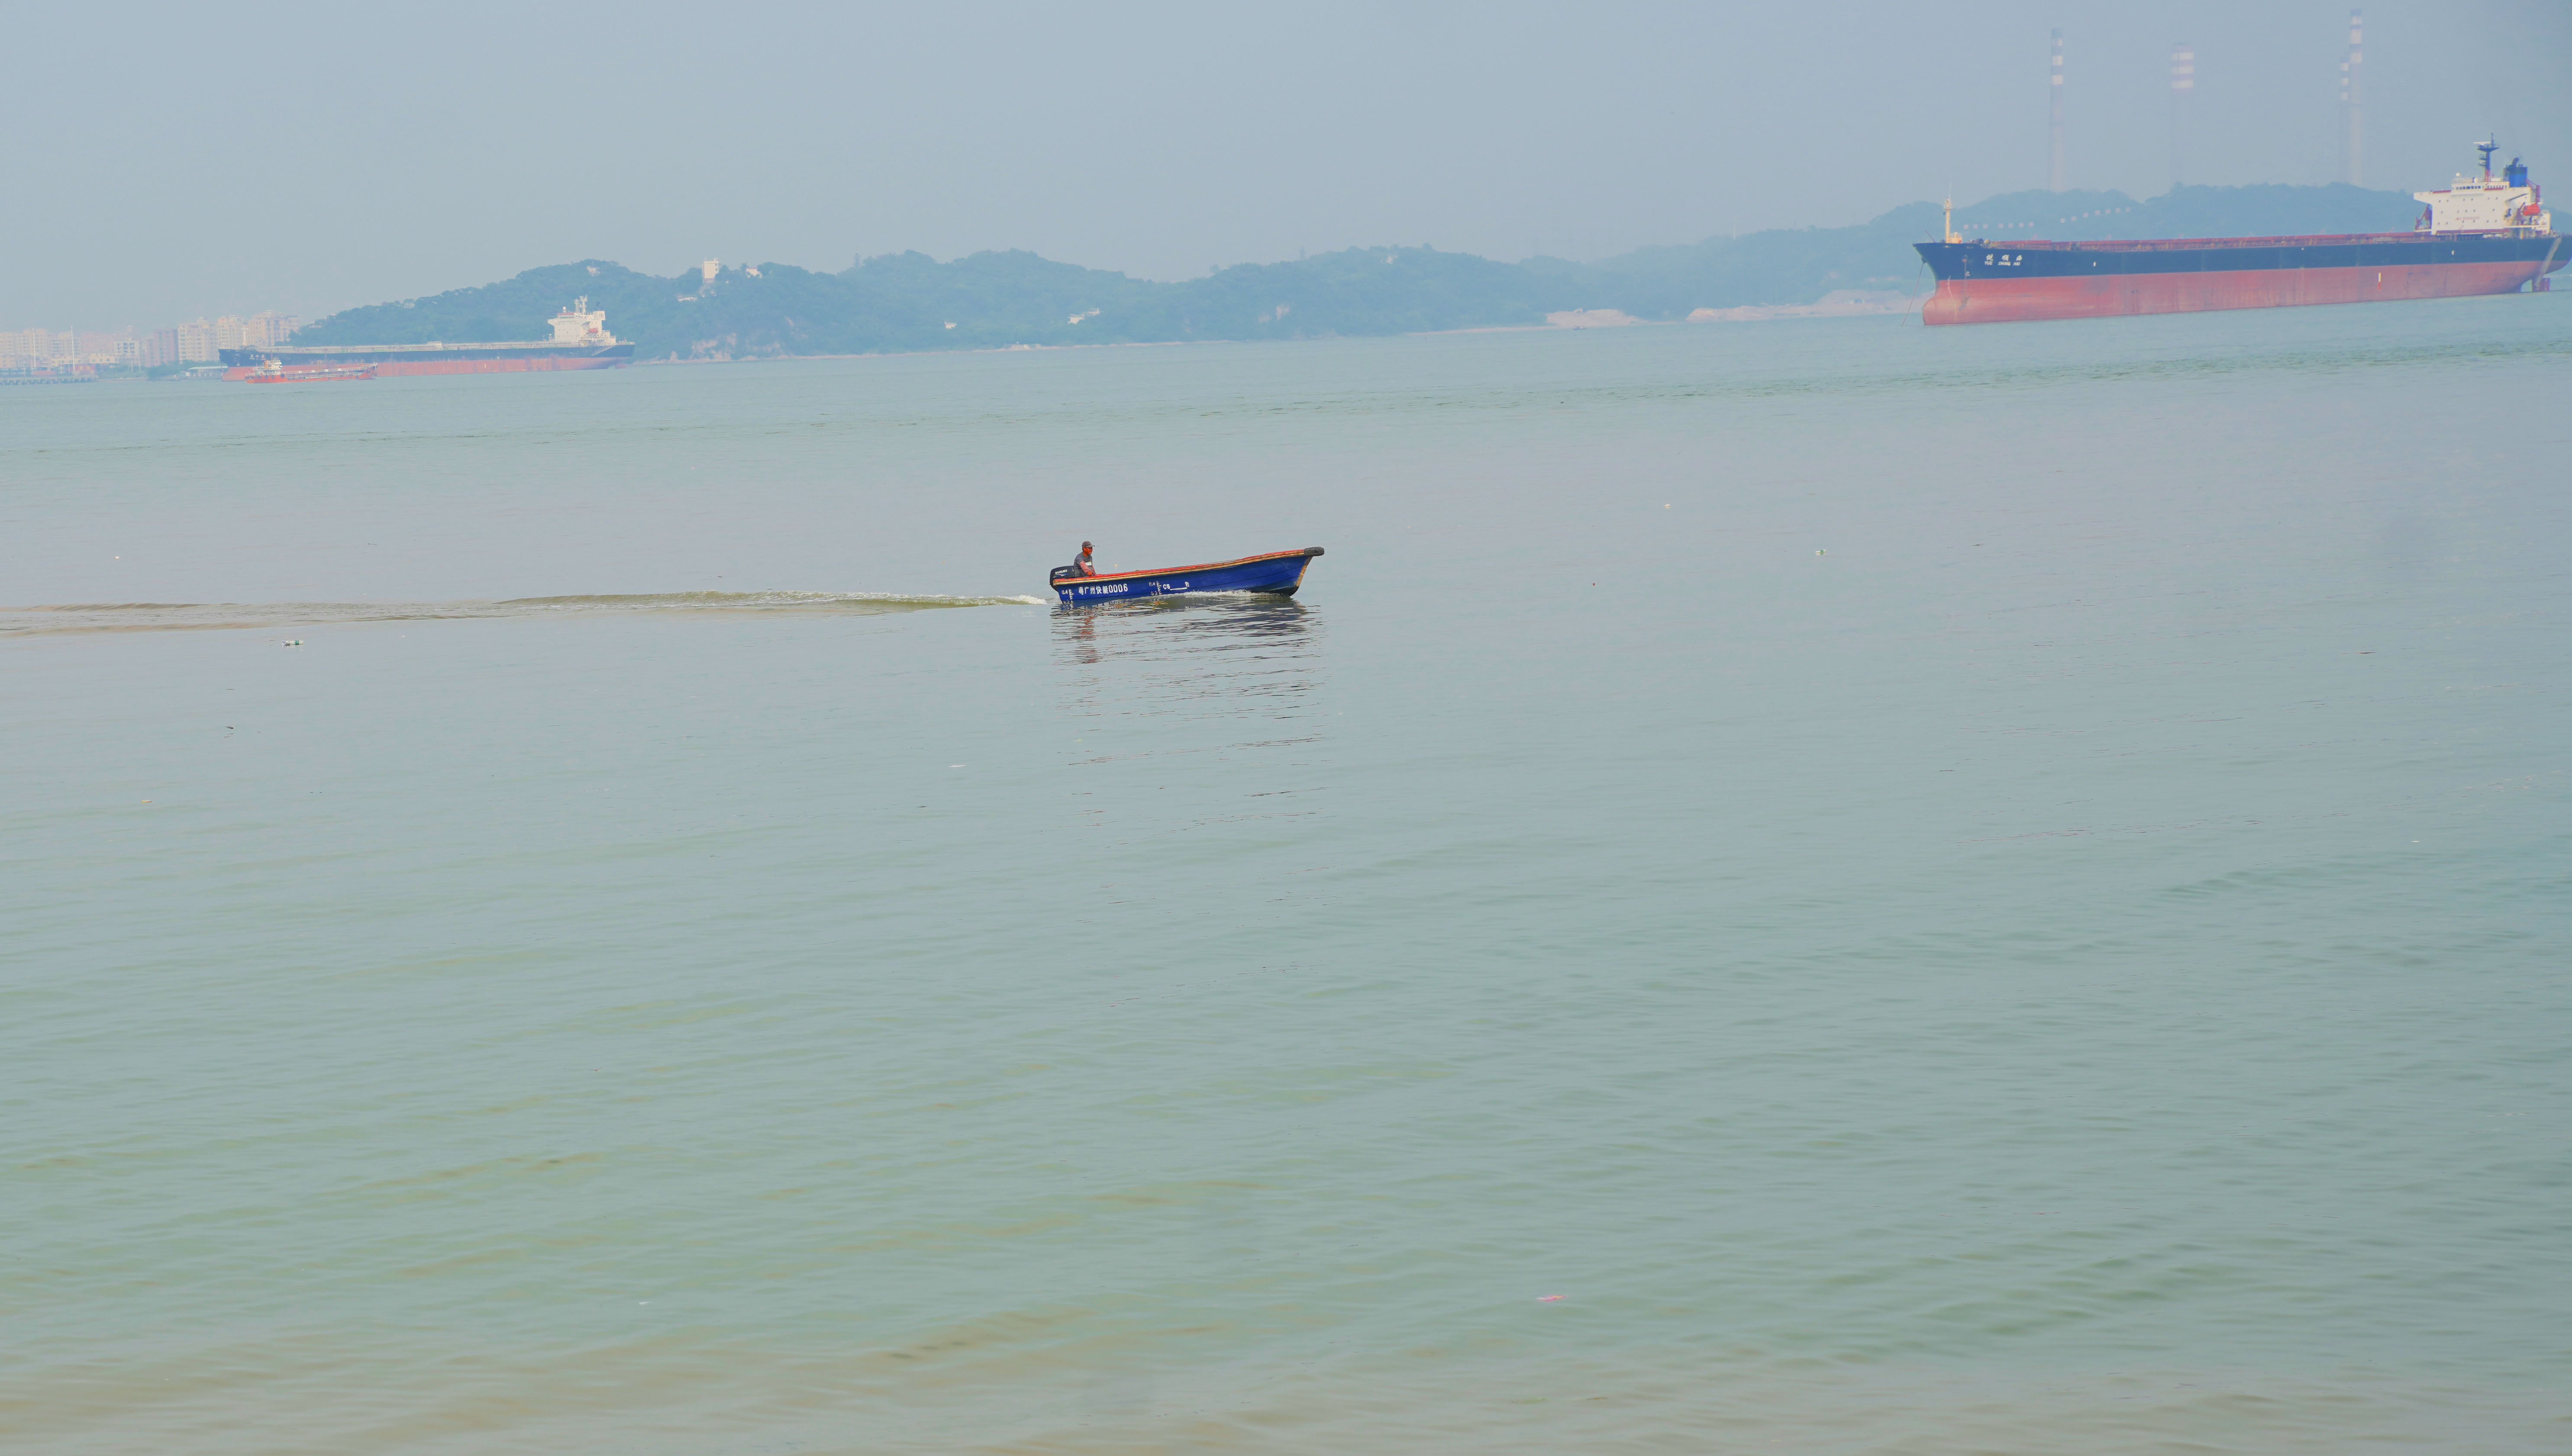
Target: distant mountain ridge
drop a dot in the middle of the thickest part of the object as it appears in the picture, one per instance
(909, 301)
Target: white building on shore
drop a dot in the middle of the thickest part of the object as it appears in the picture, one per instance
(199, 342)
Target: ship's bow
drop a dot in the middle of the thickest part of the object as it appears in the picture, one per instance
(1946, 265)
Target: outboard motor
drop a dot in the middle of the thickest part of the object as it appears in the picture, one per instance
(1060, 572)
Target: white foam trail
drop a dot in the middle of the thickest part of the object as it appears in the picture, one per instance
(100, 617)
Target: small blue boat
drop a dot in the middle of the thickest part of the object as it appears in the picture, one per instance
(1277, 574)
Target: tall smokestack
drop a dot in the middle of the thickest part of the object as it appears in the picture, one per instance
(2183, 81)
(2056, 181)
(2353, 98)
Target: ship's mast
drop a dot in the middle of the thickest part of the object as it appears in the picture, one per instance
(2487, 149)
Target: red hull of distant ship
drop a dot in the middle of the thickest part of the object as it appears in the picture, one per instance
(391, 367)
(2018, 300)
(496, 366)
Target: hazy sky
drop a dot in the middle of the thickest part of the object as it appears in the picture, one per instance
(166, 161)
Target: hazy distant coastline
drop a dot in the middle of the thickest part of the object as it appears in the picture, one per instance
(910, 302)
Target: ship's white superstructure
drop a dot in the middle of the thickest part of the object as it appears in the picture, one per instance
(2487, 204)
(581, 323)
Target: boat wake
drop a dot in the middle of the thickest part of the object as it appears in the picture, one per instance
(95, 616)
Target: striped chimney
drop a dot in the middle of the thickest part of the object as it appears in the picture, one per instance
(2056, 179)
(2183, 81)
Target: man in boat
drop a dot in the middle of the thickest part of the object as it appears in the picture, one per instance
(1081, 565)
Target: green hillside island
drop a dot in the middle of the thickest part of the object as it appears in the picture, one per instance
(907, 301)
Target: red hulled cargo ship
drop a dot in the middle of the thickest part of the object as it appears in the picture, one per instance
(2485, 234)
(580, 342)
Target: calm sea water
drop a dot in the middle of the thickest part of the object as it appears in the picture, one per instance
(1820, 887)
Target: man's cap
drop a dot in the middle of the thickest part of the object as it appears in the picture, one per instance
(1085, 546)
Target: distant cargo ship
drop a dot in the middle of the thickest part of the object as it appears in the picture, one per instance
(580, 342)
(2485, 234)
